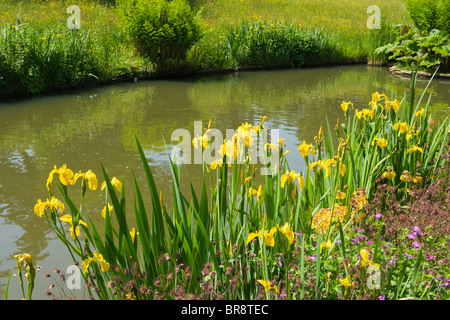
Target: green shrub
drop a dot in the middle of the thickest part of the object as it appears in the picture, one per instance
(430, 14)
(160, 28)
(420, 52)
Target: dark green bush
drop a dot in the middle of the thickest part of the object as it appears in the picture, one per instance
(160, 29)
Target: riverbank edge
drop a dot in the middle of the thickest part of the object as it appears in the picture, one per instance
(137, 76)
(394, 70)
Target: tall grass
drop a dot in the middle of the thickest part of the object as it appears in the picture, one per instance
(287, 235)
(38, 52)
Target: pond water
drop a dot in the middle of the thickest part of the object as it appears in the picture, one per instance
(84, 129)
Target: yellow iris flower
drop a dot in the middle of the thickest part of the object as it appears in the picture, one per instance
(291, 176)
(52, 204)
(286, 229)
(365, 258)
(346, 282)
(115, 182)
(305, 148)
(401, 126)
(267, 286)
(110, 208)
(364, 113)
(345, 105)
(73, 232)
(97, 257)
(266, 235)
(203, 140)
(89, 176)
(413, 149)
(65, 175)
(421, 112)
(325, 165)
(382, 143)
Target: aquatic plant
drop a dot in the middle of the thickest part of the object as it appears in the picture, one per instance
(324, 233)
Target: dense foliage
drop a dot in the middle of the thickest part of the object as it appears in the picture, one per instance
(160, 28)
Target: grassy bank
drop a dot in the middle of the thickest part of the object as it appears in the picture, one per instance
(39, 53)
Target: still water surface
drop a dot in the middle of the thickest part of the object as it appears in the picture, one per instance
(85, 128)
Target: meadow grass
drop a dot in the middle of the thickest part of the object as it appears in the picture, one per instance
(332, 32)
(344, 22)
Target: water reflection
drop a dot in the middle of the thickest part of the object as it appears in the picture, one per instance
(82, 129)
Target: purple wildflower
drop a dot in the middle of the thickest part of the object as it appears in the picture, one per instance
(411, 235)
(279, 262)
(369, 243)
(416, 244)
(383, 297)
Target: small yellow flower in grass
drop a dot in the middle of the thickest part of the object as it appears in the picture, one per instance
(401, 126)
(417, 178)
(406, 176)
(305, 148)
(345, 105)
(130, 296)
(341, 195)
(89, 176)
(73, 232)
(413, 149)
(97, 257)
(382, 143)
(346, 282)
(365, 258)
(286, 230)
(389, 173)
(326, 245)
(44, 38)
(115, 182)
(267, 286)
